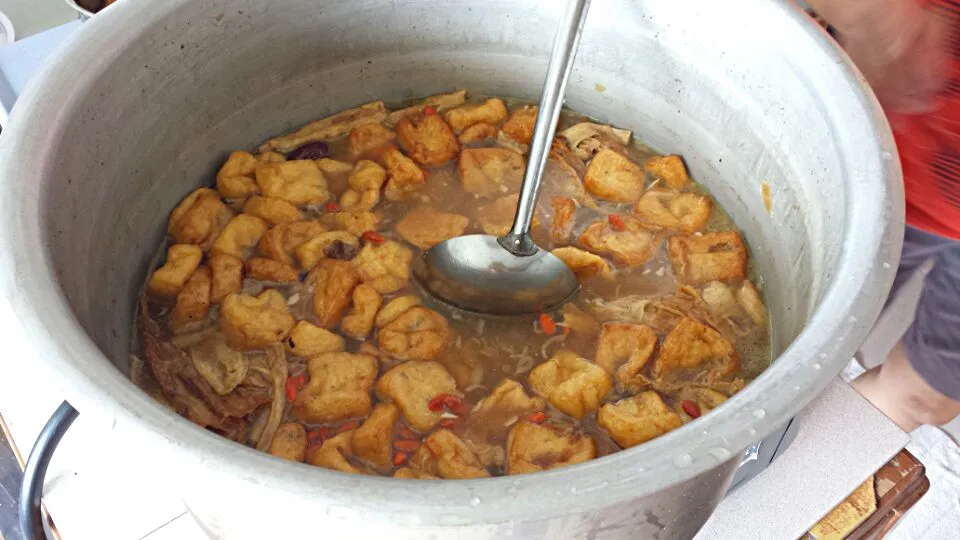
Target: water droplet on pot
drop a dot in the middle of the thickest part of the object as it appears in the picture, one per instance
(823, 356)
(760, 413)
(852, 319)
(796, 388)
(817, 366)
(683, 460)
(474, 501)
(887, 265)
(886, 156)
(574, 490)
(752, 432)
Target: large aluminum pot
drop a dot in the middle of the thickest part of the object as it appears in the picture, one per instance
(148, 98)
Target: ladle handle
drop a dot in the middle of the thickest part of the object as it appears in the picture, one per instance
(565, 46)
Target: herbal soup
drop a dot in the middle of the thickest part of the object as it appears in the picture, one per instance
(283, 315)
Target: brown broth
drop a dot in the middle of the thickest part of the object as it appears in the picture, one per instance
(509, 348)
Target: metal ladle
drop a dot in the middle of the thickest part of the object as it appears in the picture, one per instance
(510, 275)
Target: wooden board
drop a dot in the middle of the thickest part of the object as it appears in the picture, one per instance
(871, 511)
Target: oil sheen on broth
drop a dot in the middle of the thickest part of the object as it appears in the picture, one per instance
(283, 315)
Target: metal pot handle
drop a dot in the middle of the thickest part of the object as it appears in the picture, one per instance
(31, 512)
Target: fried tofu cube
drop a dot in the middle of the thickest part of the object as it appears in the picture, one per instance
(333, 454)
(240, 236)
(751, 301)
(366, 180)
(425, 227)
(428, 139)
(492, 416)
(338, 388)
(298, 182)
(332, 167)
(628, 242)
(584, 264)
(418, 334)
(477, 133)
(713, 256)
(270, 157)
(289, 442)
(670, 169)
(193, 301)
(307, 339)
(254, 322)
(280, 242)
(672, 211)
(334, 281)
(411, 385)
(410, 473)
(571, 384)
(490, 172)
(235, 178)
(612, 176)
(199, 218)
(367, 175)
(720, 299)
(272, 210)
(496, 218)
(624, 350)
(385, 267)
(403, 175)
(519, 127)
(311, 252)
(372, 440)
(394, 308)
(533, 448)
(491, 111)
(226, 277)
(359, 201)
(356, 223)
(706, 399)
(264, 269)
(366, 138)
(359, 321)
(695, 346)
(329, 128)
(445, 455)
(168, 280)
(638, 419)
(564, 210)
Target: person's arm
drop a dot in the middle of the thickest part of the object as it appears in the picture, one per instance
(896, 44)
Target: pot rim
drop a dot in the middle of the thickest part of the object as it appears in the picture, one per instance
(94, 385)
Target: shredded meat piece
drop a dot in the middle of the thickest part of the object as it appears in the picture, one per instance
(187, 390)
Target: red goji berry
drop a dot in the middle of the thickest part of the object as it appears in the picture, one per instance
(616, 223)
(690, 408)
(373, 237)
(406, 446)
(537, 417)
